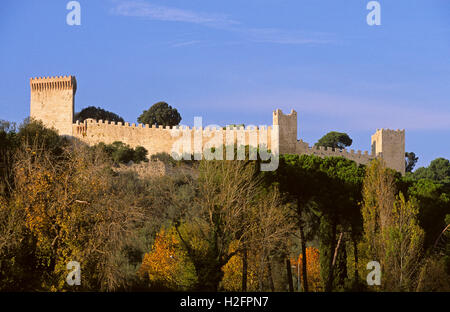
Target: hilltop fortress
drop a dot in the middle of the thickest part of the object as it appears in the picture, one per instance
(52, 101)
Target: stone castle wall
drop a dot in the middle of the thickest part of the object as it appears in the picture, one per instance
(165, 139)
(361, 157)
(290, 145)
(52, 101)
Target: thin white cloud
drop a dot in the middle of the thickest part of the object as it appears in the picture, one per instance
(169, 14)
(273, 35)
(151, 11)
(185, 43)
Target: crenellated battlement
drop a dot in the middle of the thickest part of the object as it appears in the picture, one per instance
(249, 128)
(399, 131)
(361, 157)
(158, 139)
(53, 83)
(52, 101)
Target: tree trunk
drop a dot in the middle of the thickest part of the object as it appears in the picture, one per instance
(337, 249)
(289, 275)
(329, 284)
(303, 244)
(355, 254)
(269, 268)
(244, 269)
(304, 272)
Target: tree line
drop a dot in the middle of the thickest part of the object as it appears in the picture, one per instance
(315, 221)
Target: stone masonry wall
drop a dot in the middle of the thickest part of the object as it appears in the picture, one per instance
(52, 101)
(390, 145)
(164, 139)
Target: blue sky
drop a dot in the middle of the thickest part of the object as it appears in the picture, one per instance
(235, 61)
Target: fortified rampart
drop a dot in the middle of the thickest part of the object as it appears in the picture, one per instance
(52, 101)
(158, 139)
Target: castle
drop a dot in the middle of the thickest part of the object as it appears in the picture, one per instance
(52, 101)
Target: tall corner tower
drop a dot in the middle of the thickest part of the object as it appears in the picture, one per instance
(288, 130)
(52, 101)
(390, 145)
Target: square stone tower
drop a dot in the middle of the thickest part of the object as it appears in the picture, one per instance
(288, 130)
(390, 145)
(52, 101)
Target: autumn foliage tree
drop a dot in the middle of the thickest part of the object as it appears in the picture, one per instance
(68, 206)
(227, 210)
(392, 235)
(232, 279)
(226, 191)
(214, 227)
(403, 242)
(271, 228)
(312, 258)
(167, 265)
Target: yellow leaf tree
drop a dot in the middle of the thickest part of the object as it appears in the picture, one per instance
(313, 268)
(167, 265)
(232, 279)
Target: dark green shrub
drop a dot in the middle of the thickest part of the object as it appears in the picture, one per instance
(120, 152)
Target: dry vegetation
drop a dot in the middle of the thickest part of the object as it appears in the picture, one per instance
(214, 225)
